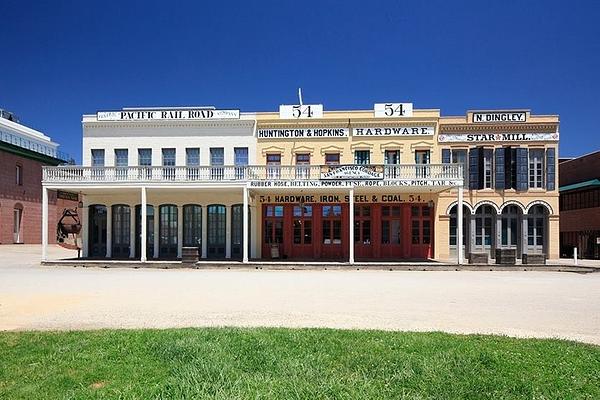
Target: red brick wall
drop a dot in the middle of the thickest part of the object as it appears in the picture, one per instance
(580, 169)
(29, 196)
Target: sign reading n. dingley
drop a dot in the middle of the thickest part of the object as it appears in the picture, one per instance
(394, 131)
(353, 172)
(502, 116)
(170, 114)
(303, 133)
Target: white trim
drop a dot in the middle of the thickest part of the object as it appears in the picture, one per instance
(465, 204)
(486, 203)
(541, 203)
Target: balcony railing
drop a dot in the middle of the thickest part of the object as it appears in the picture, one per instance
(89, 175)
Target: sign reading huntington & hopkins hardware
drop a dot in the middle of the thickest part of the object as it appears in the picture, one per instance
(167, 114)
(303, 133)
(352, 172)
(502, 116)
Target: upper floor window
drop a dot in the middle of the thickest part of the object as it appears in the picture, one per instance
(240, 156)
(536, 168)
(392, 157)
(97, 157)
(192, 157)
(274, 159)
(332, 158)
(422, 156)
(19, 175)
(144, 157)
(487, 165)
(121, 157)
(362, 157)
(303, 159)
(217, 156)
(168, 157)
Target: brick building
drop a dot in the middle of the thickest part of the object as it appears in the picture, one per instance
(23, 152)
(579, 180)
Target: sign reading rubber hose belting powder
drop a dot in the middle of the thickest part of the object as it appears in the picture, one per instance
(303, 133)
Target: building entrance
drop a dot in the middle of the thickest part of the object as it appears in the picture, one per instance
(321, 231)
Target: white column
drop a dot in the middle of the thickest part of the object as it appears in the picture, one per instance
(179, 231)
(459, 226)
(108, 231)
(144, 217)
(85, 228)
(132, 231)
(204, 231)
(351, 230)
(228, 231)
(524, 235)
(245, 226)
(156, 227)
(44, 223)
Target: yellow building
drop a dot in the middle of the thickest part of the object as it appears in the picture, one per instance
(308, 184)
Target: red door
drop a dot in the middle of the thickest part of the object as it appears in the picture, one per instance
(363, 240)
(272, 231)
(332, 232)
(392, 228)
(302, 232)
(421, 231)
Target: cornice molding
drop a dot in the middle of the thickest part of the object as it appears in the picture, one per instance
(461, 128)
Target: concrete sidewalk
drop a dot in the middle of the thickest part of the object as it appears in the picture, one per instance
(537, 304)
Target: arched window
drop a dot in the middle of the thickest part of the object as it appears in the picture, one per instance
(192, 225)
(121, 223)
(511, 227)
(484, 218)
(537, 222)
(453, 230)
(168, 231)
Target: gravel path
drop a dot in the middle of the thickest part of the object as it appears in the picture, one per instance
(536, 304)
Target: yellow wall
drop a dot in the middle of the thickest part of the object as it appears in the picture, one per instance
(407, 145)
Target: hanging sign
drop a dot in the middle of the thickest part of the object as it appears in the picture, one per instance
(303, 133)
(167, 114)
(352, 172)
(493, 116)
(497, 137)
(394, 131)
(393, 110)
(301, 111)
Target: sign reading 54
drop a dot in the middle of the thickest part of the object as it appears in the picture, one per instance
(387, 110)
(301, 111)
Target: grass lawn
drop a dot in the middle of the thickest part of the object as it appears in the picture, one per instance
(286, 364)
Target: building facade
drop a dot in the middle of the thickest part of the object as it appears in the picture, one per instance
(580, 206)
(23, 153)
(307, 184)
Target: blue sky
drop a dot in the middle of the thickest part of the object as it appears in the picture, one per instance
(62, 60)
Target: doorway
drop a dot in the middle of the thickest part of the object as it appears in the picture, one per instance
(97, 231)
(216, 229)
